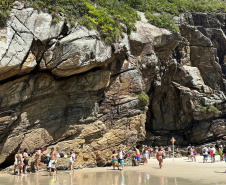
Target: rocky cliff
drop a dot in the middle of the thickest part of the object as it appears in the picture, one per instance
(63, 86)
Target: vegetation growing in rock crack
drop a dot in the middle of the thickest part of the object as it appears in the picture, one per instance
(106, 15)
(208, 109)
(143, 97)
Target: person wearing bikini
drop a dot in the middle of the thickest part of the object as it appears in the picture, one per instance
(37, 158)
(19, 162)
(52, 162)
(159, 157)
(114, 157)
(25, 156)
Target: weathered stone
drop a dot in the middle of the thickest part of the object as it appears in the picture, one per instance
(72, 91)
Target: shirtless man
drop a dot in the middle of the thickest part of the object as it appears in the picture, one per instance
(18, 162)
(37, 158)
(52, 162)
(138, 155)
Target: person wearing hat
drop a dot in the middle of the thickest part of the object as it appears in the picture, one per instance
(52, 162)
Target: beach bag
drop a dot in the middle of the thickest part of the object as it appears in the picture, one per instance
(195, 153)
(61, 155)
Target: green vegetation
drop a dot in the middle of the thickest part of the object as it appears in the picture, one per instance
(209, 108)
(102, 15)
(163, 21)
(5, 6)
(106, 15)
(143, 97)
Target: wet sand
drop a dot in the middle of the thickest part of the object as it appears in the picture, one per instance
(183, 173)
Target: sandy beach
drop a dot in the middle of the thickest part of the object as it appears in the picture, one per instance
(182, 172)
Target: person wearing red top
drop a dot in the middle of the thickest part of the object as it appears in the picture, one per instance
(211, 154)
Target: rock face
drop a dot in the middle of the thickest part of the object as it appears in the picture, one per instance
(64, 87)
(188, 95)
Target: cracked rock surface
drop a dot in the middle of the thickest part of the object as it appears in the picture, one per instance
(64, 87)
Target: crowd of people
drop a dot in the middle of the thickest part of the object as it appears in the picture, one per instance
(118, 157)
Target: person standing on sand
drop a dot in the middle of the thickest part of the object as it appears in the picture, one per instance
(152, 151)
(205, 154)
(189, 152)
(145, 155)
(121, 155)
(52, 162)
(19, 159)
(138, 155)
(37, 158)
(15, 163)
(224, 152)
(71, 160)
(192, 153)
(114, 157)
(169, 150)
(220, 151)
(159, 157)
(25, 156)
(213, 151)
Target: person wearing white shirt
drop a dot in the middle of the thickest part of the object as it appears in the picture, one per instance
(121, 155)
(205, 154)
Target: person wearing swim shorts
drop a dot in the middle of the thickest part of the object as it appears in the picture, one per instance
(121, 155)
(205, 154)
(52, 162)
(159, 157)
(213, 151)
(114, 157)
(138, 155)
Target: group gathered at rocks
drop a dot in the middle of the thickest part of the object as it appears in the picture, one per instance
(119, 158)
